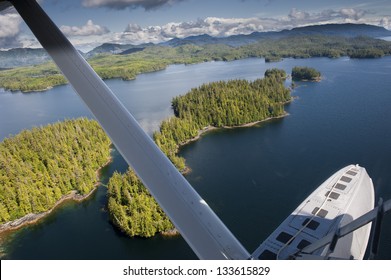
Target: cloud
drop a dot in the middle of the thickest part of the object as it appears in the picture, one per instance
(122, 4)
(9, 25)
(386, 22)
(219, 27)
(86, 30)
(301, 18)
(9, 30)
(352, 13)
(298, 15)
(90, 35)
(222, 27)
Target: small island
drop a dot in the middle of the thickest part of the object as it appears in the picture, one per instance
(305, 74)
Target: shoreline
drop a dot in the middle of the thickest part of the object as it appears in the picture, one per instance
(170, 233)
(33, 218)
(211, 128)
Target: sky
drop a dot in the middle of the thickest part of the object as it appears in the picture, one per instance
(89, 23)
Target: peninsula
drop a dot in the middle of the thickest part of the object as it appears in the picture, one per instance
(215, 105)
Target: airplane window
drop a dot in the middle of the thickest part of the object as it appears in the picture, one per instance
(346, 179)
(322, 213)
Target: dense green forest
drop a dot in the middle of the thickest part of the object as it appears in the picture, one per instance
(305, 74)
(39, 166)
(133, 209)
(155, 58)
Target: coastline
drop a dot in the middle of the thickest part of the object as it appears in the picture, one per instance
(33, 218)
(210, 128)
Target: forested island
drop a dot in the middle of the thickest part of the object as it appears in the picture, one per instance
(154, 58)
(218, 104)
(305, 74)
(41, 166)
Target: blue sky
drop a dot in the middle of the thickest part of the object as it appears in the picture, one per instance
(88, 23)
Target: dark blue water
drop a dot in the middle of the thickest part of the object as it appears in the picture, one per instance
(252, 177)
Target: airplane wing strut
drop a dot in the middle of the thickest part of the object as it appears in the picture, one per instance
(198, 224)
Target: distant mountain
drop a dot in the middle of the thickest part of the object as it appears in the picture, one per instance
(343, 30)
(22, 56)
(196, 40)
(116, 49)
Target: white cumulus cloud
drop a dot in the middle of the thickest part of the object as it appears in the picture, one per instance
(9, 30)
(386, 22)
(9, 25)
(355, 14)
(301, 18)
(86, 30)
(219, 27)
(222, 27)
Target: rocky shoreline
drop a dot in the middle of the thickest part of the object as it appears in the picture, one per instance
(32, 218)
(170, 233)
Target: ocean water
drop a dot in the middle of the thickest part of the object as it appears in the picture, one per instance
(252, 177)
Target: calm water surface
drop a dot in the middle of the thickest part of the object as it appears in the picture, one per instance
(252, 177)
